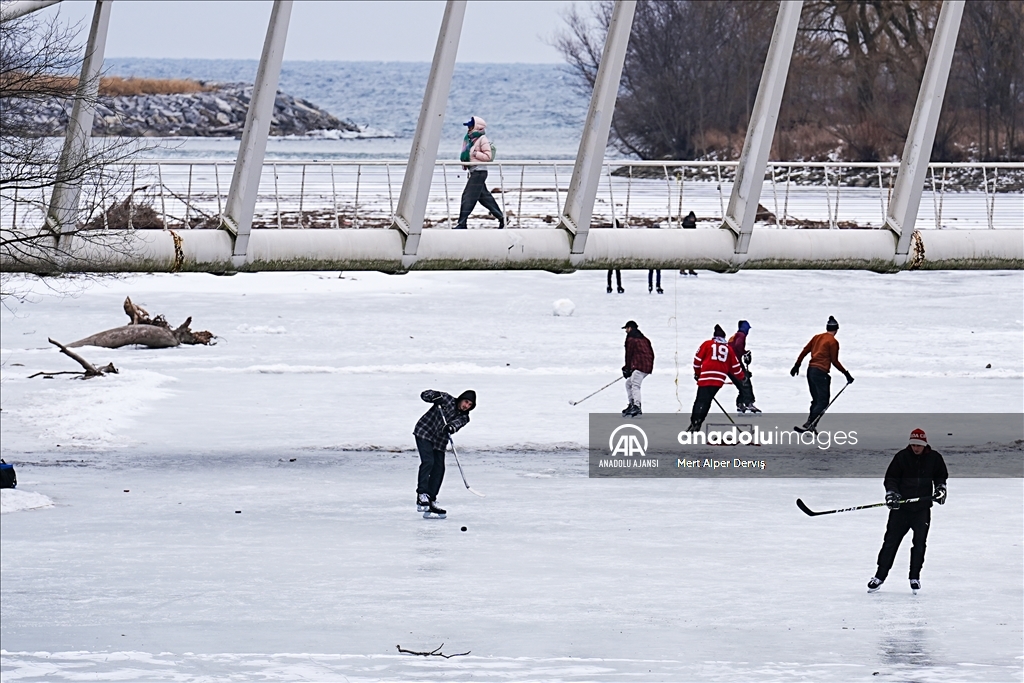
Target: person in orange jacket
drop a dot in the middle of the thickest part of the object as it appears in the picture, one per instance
(824, 350)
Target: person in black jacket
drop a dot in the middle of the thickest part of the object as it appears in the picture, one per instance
(447, 416)
(915, 472)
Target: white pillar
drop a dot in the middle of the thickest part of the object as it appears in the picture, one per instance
(245, 181)
(412, 202)
(746, 191)
(62, 215)
(906, 195)
(13, 10)
(586, 174)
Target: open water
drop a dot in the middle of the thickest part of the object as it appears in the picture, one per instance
(534, 111)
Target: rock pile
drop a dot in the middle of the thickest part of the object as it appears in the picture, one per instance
(218, 112)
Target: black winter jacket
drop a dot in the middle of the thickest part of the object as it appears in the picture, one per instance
(915, 476)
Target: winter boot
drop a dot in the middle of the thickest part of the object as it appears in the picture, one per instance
(422, 502)
(621, 290)
(627, 411)
(915, 585)
(501, 222)
(433, 511)
(874, 584)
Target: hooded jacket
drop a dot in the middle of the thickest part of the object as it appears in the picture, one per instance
(477, 143)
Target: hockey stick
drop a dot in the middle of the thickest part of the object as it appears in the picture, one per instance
(452, 442)
(814, 425)
(723, 410)
(574, 403)
(808, 511)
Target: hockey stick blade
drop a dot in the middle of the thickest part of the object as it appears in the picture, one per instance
(806, 510)
(800, 504)
(475, 492)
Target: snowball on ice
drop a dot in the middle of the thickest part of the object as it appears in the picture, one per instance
(564, 307)
(13, 500)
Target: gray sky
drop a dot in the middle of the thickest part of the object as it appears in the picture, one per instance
(494, 31)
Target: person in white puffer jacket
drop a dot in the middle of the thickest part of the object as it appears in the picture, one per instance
(476, 148)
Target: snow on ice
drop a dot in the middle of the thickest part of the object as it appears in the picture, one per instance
(301, 418)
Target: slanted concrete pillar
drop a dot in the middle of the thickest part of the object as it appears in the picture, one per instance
(20, 8)
(62, 215)
(906, 194)
(245, 182)
(412, 202)
(586, 174)
(746, 191)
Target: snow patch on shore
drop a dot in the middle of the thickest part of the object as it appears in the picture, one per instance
(13, 500)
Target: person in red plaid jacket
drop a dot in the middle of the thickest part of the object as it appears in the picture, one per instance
(447, 416)
(639, 364)
(714, 362)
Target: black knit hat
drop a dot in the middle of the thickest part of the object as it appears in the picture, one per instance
(719, 332)
(832, 325)
(468, 395)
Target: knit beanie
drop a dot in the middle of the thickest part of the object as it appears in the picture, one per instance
(918, 438)
(832, 325)
(719, 332)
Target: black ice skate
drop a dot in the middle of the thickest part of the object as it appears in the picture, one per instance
(422, 502)
(621, 290)
(659, 290)
(874, 584)
(915, 585)
(609, 289)
(627, 410)
(740, 410)
(635, 412)
(752, 408)
(434, 512)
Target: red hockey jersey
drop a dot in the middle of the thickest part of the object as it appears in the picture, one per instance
(714, 362)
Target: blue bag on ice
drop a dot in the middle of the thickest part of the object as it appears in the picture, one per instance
(8, 479)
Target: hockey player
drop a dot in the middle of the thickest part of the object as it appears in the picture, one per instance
(447, 416)
(713, 363)
(639, 364)
(738, 342)
(915, 472)
(824, 350)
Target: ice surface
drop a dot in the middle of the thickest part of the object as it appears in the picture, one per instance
(13, 500)
(558, 577)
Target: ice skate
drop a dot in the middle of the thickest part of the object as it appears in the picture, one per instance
(422, 502)
(621, 290)
(740, 410)
(874, 584)
(915, 585)
(659, 290)
(635, 411)
(627, 410)
(434, 512)
(609, 289)
(752, 408)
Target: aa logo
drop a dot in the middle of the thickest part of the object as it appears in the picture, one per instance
(628, 441)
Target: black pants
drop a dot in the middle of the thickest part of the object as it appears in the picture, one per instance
(701, 405)
(900, 522)
(476, 191)
(746, 389)
(650, 278)
(618, 278)
(431, 468)
(820, 384)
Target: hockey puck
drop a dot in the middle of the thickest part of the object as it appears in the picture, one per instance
(463, 528)
(126, 490)
(238, 512)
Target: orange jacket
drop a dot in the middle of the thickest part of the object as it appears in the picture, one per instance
(824, 350)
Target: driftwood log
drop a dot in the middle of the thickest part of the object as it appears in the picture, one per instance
(144, 330)
(433, 653)
(88, 369)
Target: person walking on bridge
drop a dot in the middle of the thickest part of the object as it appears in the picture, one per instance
(477, 149)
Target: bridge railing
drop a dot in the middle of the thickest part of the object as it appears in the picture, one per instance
(190, 194)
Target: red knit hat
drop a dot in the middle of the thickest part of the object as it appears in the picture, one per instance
(918, 438)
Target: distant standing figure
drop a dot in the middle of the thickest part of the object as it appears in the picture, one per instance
(824, 350)
(476, 148)
(650, 281)
(915, 472)
(713, 363)
(447, 416)
(618, 281)
(738, 342)
(689, 223)
(639, 364)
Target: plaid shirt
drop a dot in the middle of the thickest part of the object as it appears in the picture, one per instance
(431, 426)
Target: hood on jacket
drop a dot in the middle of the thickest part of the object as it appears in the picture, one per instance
(469, 395)
(479, 125)
(744, 326)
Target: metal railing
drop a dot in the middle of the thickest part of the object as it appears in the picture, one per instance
(191, 194)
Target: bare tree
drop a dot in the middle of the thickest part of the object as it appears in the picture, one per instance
(38, 60)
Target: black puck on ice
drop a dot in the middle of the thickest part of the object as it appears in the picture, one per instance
(238, 512)
(463, 528)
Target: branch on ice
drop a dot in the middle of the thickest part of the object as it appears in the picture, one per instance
(433, 653)
(89, 370)
(143, 330)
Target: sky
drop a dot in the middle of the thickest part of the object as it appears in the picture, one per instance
(494, 31)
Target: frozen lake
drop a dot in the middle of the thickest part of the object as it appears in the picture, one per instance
(558, 577)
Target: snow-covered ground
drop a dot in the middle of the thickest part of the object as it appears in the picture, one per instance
(327, 566)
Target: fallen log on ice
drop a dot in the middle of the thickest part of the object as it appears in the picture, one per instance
(88, 369)
(154, 333)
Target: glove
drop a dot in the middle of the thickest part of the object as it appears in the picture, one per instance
(940, 494)
(450, 428)
(696, 377)
(795, 371)
(746, 357)
(849, 377)
(625, 372)
(892, 500)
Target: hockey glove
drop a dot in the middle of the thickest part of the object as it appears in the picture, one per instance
(625, 372)
(451, 428)
(746, 357)
(849, 378)
(892, 500)
(795, 371)
(940, 495)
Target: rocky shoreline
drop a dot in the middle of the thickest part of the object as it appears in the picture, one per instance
(217, 112)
